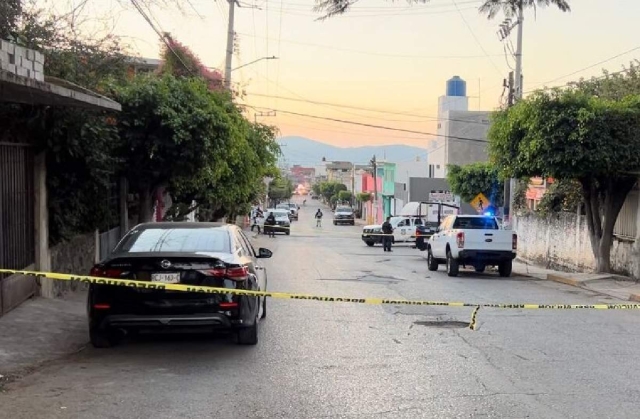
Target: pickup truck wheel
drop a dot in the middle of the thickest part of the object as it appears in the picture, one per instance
(452, 265)
(370, 244)
(504, 268)
(432, 264)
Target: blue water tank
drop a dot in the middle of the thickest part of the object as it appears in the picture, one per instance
(456, 87)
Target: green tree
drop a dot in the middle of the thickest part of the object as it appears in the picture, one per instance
(561, 196)
(280, 189)
(345, 196)
(472, 179)
(316, 189)
(364, 197)
(81, 160)
(9, 15)
(174, 133)
(329, 189)
(509, 8)
(570, 135)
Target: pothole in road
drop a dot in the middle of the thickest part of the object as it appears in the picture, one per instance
(446, 324)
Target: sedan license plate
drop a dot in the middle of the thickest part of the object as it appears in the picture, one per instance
(166, 278)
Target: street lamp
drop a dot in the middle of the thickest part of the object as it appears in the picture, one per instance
(255, 61)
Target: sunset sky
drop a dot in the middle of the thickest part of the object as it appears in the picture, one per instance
(389, 56)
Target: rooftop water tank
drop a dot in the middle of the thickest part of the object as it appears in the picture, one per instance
(456, 87)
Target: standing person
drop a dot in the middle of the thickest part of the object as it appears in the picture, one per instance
(387, 239)
(268, 225)
(319, 218)
(255, 215)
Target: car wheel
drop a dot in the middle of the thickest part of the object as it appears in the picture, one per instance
(504, 268)
(370, 244)
(452, 265)
(480, 268)
(353, 223)
(432, 263)
(264, 308)
(249, 335)
(335, 224)
(102, 338)
(288, 233)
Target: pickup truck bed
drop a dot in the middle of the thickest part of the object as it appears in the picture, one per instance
(471, 240)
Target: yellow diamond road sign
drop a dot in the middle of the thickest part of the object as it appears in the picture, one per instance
(480, 203)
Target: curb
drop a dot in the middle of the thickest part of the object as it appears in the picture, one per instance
(565, 280)
(635, 297)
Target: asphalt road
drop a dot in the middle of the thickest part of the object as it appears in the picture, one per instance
(338, 360)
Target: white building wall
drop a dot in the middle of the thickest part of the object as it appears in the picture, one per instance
(462, 137)
(406, 170)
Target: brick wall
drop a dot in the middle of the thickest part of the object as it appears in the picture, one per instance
(21, 61)
(562, 242)
(75, 256)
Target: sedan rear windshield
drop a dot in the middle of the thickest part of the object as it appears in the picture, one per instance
(475, 223)
(175, 240)
(344, 210)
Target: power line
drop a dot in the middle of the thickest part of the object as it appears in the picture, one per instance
(588, 67)
(368, 109)
(362, 124)
(476, 38)
(161, 34)
(379, 54)
(298, 12)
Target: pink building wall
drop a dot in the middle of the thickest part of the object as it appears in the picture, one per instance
(367, 186)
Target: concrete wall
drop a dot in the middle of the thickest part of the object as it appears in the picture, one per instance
(75, 256)
(562, 242)
(453, 146)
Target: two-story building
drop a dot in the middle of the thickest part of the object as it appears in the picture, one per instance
(341, 172)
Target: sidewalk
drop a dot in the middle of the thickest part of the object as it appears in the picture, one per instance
(616, 286)
(41, 330)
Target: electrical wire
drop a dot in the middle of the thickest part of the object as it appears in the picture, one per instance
(589, 67)
(161, 35)
(476, 39)
(379, 54)
(434, 118)
(362, 124)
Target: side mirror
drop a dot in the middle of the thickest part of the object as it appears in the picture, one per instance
(264, 253)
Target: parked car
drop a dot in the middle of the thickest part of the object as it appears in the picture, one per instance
(344, 215)
(404, 229)
(472, 240)
(283, 220)
(206, 254)
(291, 208)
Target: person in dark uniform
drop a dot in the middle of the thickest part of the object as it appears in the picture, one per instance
(269, 224)
(387, 239)
(319, 218)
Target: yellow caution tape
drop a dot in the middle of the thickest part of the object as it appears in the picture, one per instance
(474, 315)
(285, 295)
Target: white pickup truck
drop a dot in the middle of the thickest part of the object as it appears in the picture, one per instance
(472, 240)
(404, 230)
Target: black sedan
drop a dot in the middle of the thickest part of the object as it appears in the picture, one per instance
(206, 254)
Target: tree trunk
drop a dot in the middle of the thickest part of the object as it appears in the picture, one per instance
(145, 210)
(603, 200)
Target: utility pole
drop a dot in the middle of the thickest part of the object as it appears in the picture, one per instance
(230, 37)
(515, 93)
(374, 163)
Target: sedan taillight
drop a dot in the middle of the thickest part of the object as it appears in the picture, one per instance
(106, 273)
(237, 273)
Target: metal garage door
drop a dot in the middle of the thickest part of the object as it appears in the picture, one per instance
(17, 238)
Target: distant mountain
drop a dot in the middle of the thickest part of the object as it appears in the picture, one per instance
(306, 152)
